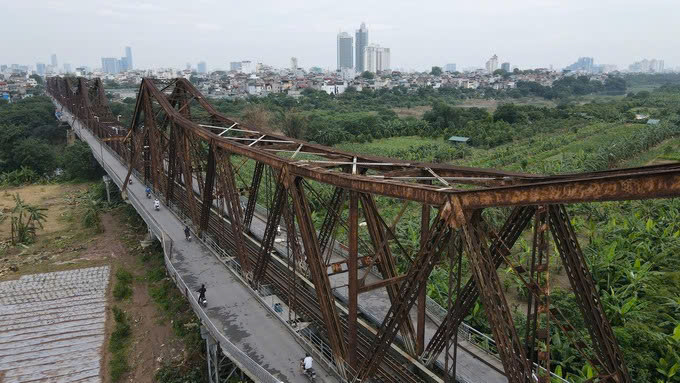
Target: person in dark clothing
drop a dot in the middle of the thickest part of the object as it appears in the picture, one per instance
(187, 232)
(201, 293)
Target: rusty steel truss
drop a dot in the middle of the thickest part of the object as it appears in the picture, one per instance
(216, 171)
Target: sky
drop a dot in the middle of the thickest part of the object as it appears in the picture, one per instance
(420, 34)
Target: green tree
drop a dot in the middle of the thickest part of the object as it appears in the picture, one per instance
(436, 71)
(292, 123)
(35, 154)
(368, 75)
(78, 162)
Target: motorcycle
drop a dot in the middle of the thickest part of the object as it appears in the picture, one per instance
(310, 373)
(189, 238)
(203, 301)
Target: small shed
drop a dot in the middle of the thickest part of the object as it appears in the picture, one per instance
(458, 140)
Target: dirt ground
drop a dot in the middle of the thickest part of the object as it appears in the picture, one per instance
(65, 244)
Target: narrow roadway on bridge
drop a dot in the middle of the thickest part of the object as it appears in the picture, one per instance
(232, 307)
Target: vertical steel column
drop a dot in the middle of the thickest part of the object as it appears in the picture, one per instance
(515, 364)
(317, 269)
(208, 190)
(512, 229)
(583, 286)
(172, 160)
(252, 195)
(353, 279)
(422, 298)
(409, 289)
(386, 265)
(273, 220)
(227, 182)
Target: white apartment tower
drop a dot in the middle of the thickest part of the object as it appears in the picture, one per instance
(376, 58)
(492, 64)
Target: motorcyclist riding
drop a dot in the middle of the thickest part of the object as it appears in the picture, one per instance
(187, 232)
(148, 192)
(157, 204)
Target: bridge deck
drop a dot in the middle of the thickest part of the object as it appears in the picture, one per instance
(233, 308)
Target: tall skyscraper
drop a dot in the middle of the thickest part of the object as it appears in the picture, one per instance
(361, 40)
(53, 61)
(123, 64)
(202, 67)
(506, 66)
(492, 64)
(67, 68)
(128, 57)
(293, 64)
(376, 58)
(110, 65)
(40, 69)
(345, 51)
(450, 68)
(584, 64)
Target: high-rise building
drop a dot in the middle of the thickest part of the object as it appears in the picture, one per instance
(505, 66)
(67, 68)
(345, 51)
(128, 57)
(110, 65)
(376, 58)
(54, 62)
(361, 40)
(202, 67)
(40, 69)
(450, 68)
(293, 64)
(492, 64)
(584, 64)
(123, 64)
(235, 66)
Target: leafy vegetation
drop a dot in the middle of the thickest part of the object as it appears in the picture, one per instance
(123, 287)
(118, 345)
(25, 220)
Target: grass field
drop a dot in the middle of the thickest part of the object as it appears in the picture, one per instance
(531, 153)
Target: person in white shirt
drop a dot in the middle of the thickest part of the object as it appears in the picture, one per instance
(308, 362)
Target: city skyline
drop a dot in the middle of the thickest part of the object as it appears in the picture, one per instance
(538, 34)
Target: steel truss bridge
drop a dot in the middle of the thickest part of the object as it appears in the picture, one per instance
(216, 171)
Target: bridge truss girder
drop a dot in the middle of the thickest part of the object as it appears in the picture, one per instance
(200, 161)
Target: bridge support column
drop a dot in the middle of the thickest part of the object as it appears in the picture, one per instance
(220, 368)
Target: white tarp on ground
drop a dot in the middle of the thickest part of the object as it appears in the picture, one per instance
(52, 326)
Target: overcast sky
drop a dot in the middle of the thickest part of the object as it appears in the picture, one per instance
(527, 33)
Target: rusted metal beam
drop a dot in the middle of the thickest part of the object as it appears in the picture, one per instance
(252, 195)
(322, 284)
(207, 197)
(271, 229)
(353, 281)
(409, 290)
(511, 350)
(422, 298)
(227, 182)
(587, 297)
(383, 283)
(512, 229)
(387, 265)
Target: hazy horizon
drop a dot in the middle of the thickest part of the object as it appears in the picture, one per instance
(527, 33)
